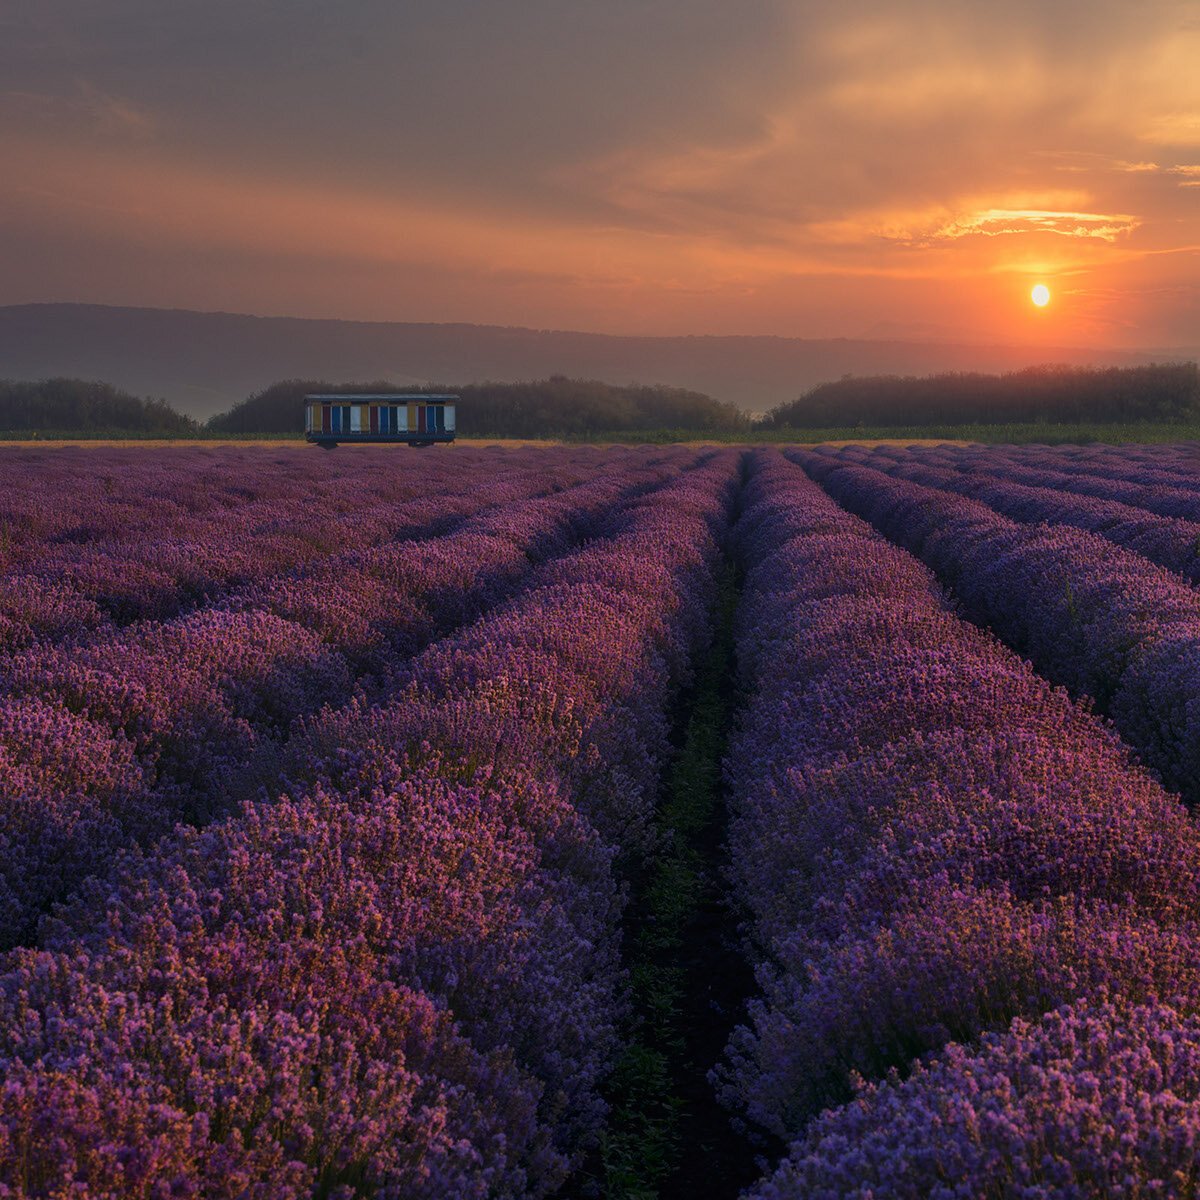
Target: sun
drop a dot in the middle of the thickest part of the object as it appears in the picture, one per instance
(1040, 295)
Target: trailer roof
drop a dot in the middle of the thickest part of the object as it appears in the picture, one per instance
(359, 397)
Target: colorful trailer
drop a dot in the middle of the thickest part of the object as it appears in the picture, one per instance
(411, 417)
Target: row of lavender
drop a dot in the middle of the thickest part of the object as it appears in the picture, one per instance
(1159, 478)
(108, 743)
(1095, 617)
(90, 544)
(1151, 467)
(400, 978)
(1166, 486)
(1029, 490)
(952, 871)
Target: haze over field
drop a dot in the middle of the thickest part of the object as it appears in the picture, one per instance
(665, 168)
(204, 363)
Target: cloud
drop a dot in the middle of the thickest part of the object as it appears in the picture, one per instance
(605, 152)
(996, 222)
(1174, 129)
(115, 114)
(80, 109)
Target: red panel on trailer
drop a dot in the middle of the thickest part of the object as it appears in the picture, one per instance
(374, 418)
(326, 425)
(421, 410)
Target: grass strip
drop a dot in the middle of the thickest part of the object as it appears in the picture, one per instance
(667, 1136)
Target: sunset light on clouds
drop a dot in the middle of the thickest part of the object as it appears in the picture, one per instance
(639, 166)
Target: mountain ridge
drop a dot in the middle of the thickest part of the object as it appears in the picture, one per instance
(204, 362)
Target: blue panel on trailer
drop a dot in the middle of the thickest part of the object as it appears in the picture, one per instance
(380, 416)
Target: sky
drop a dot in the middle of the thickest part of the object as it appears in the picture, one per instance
(811, 169)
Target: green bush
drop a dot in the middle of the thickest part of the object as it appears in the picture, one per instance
(554, 407)
(1157, 392)
(83, 406)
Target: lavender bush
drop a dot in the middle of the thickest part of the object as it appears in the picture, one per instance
(1031, 495)
(397, 974)
(199, 707)
(1097, 618)
(933, 845)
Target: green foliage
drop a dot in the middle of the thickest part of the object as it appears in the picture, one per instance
(1044, 433)
(1139, 404)
(641, 1141)
(70, 406)
(279, 409)
(1069, 596)
(1156, 392)
(654, 1086)
(551, 408)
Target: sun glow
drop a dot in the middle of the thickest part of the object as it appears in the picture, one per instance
(1040, 295)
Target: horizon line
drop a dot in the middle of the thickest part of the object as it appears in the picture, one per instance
(952, 340)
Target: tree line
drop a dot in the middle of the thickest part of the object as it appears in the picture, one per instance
(1156, 392)
(562, 407)
(553, 407)
(82, 406)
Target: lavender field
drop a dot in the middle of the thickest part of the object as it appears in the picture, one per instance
(595, 823)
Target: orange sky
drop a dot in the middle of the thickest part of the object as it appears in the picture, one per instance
(637, 166)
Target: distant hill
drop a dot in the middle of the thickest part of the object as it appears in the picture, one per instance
(204, 363)
(83, 406)
(546, 407)
(1154, 392)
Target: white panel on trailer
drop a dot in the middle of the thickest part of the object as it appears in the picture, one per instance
(401, 415)
(356, 418)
